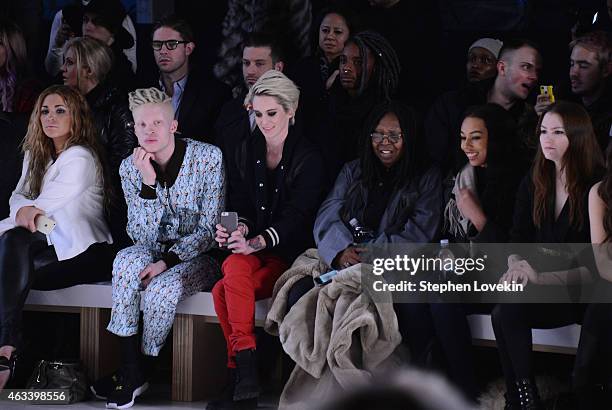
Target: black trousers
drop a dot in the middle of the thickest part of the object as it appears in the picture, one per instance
(594, 356)
(26, 261)
(512, 324)
(440, 333)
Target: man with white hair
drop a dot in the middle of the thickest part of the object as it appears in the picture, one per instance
(174, 189)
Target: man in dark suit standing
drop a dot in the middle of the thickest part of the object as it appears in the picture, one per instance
(196, 97)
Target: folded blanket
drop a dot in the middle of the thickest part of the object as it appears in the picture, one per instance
(336, 334)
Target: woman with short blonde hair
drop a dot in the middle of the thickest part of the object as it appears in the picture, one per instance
(275, 187)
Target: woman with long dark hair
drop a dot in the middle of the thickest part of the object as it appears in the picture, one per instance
(551, 207)
(479, 211)
(62, 179)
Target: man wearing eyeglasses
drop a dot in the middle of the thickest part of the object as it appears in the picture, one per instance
(196, 97)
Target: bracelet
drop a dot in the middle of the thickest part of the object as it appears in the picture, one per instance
(153, 187)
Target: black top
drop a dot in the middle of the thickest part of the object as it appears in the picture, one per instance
(115, 127)
(285, 219)
(601, 117)
(551, 230)
(114, 123)
(121, 74)
(378, 199)
(443, 126)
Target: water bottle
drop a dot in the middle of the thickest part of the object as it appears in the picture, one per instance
(445, 254)
(361, 234)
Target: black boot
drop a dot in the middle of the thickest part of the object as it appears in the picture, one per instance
(247, 384)
(529, 399)
(226, 400)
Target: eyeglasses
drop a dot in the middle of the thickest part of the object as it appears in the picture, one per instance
(170, 44)
(378, 137)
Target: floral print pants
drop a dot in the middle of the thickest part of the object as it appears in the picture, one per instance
(161, 296)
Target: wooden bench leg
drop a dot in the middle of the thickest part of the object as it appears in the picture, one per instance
(198, 358)
(99, 349)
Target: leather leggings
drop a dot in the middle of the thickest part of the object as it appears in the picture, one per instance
(27, 261)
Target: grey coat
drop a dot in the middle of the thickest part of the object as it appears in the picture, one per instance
(413, 214)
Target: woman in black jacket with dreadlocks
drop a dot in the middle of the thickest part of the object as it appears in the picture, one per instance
(369, 74)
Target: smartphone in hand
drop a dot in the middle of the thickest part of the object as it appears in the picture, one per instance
(547, 90)
(229, 220)
(44, 224)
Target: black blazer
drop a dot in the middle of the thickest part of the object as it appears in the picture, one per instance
(286, 218)
(200, 106)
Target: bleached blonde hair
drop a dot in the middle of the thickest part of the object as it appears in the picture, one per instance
(151, 95)
(275, 84)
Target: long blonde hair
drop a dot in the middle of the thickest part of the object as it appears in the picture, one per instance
(40, 148)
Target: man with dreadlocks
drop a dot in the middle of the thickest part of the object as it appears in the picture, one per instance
(369, 74)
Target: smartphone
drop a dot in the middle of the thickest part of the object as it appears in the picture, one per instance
(44, 224)
(229, 220)
(325, 278)
(548, 91)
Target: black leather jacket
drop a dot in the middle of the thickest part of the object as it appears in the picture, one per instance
(115, 126)
(114, 123)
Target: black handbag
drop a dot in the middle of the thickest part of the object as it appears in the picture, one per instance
(67, 375)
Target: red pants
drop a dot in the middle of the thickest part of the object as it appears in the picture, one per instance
(246, 278)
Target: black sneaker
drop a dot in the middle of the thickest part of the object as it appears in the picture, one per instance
(105, 385)
(129, 386)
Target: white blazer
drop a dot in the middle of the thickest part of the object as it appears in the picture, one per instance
(71, 195)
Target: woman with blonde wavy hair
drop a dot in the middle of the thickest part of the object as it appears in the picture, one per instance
(57, 224)
(18, 92)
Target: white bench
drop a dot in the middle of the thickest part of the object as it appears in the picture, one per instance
(198, 346)
(198, 355)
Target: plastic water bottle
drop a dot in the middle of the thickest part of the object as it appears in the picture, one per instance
(445, 254)
(361, 234)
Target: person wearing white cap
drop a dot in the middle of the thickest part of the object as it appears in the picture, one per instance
(482, 59)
